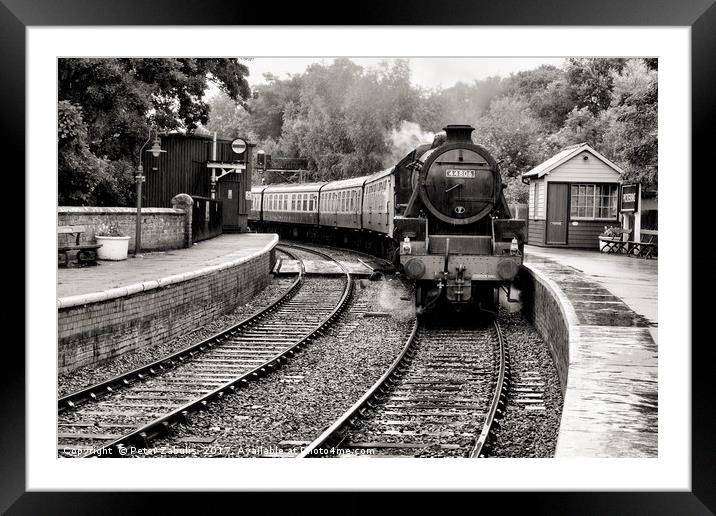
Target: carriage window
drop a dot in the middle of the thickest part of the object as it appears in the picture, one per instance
(304, 206)
(310, 204)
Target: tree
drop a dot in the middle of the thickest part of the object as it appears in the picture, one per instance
(631, 135)
(342, 115)
(591, 80)
(457, 104)
(269, 104)
(512, 133)
(111, 104)
(227, 117)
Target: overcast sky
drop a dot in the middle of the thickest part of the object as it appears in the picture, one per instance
(428, 72)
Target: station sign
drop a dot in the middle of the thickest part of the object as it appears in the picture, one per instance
(238, 146)
(630, 198)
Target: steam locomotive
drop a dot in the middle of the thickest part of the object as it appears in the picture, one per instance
(440, 214)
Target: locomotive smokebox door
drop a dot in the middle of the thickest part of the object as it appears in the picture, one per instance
(459, 181)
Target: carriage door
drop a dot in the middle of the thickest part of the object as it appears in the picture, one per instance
(557, 212)
(227, 190)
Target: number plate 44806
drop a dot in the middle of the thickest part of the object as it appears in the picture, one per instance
(458, 172)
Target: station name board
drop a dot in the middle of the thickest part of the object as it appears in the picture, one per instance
(630, 198)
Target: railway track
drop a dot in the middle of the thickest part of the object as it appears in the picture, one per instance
(442, 396)
(128, 411)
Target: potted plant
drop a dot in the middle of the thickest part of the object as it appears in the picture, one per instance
(114, 244)
(611, 234)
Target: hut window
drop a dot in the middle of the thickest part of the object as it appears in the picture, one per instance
(594, 201)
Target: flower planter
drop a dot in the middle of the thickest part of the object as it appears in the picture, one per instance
(113, 247)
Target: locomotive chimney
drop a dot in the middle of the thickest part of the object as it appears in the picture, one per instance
(458, 133)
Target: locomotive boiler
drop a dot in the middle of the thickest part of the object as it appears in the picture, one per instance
(440, 214)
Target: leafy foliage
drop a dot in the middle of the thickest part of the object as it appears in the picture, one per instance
(107, 105)
(349, 121)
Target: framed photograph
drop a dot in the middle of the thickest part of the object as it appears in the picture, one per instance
(499, 159)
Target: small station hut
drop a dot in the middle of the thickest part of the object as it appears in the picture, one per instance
(572, 196)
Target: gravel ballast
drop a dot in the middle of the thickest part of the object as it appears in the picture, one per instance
(275, 415)
(527, 430)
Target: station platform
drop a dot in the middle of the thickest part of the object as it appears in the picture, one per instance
(156, 266)
(598, 314)
(631, 279)
(113, 308)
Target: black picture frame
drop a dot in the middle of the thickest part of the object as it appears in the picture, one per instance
(700, 15)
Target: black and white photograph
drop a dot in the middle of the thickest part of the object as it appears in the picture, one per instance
(316, 258)
(346, 257)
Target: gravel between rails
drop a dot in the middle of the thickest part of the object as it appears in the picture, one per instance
(526, 433)
(90, 375)
(296, 403)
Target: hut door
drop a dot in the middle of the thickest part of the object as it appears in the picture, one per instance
(227, 190)
(557, 212)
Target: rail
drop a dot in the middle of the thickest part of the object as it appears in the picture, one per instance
(336, 433)
(499, 397)
(336, 430)
(160, 426)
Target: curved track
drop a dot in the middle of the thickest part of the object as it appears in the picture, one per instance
(442, 396)
(129, 410)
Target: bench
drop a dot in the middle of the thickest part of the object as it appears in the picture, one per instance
(86, 253)
(647, 248)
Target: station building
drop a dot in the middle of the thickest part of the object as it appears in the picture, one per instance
(572, 197)
(211, 171)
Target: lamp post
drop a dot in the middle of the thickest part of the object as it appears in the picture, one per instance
(156, 150)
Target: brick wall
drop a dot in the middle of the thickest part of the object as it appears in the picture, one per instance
(162, 228)
(542, 305)
(93, 333)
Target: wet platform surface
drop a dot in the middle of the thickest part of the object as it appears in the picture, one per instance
(154, 266)
(632, 280)
(611, 399)
(323, 268)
